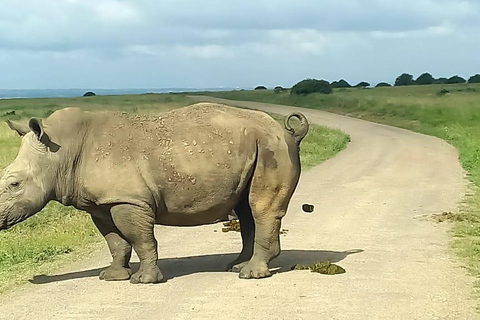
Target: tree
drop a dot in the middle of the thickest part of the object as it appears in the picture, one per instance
(404, 79)
(89, 94)
(440, 81)
(308, 86)
(383, 84)
(341, 84)
(260, 88)
(278, 89)
(424, 79)
(362, 84)
(474, 79)
(456, 79)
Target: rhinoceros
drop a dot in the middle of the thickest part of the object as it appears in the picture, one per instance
(186, 167)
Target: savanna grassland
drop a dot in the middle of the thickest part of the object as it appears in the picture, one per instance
(450, 112)
(59, 234)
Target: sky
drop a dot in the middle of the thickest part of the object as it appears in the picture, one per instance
(55, 44)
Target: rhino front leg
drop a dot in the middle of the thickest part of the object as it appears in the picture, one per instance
(120, 249)
(137, 224)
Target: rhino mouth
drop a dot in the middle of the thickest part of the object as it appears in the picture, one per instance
(4, 225)
(10, 220)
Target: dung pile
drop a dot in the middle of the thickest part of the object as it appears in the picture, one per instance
(321, 267)
(232, 225)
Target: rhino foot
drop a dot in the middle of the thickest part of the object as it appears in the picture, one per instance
(115, 274)
(150, 275)
(255, 270)
(236, 267)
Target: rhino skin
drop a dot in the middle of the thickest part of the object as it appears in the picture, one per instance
(187, 167)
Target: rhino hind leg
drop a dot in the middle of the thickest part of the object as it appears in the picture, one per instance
(247, 229)
(137, 224)
(270, 193)
(120, 250)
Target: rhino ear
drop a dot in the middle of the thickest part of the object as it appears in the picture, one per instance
(20, 128)
(36, 127)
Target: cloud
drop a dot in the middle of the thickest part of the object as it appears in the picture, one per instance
(72, 24)
(284, 39)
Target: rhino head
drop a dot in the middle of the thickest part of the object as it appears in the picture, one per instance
(26, 185)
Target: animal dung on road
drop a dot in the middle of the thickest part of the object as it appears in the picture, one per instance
(307, 207)
(232, 225)
(321, 267)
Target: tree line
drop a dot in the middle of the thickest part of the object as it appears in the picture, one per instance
(406, 79)
(308, 86)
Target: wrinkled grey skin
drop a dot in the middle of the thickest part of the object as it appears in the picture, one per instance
(187, 167)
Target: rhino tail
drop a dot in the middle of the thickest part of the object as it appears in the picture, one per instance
(301, 132)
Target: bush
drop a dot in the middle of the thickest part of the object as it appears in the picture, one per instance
(424, 79)
(474, 79)
(404, 79)
(48, 113)
(440, 81)
(9, 113)
(89, 94)
(308, 86)
(278, 89)
(340, 84)
(362, 85)
(260, 88)
(456, 79)
(383, 84)
(443, 92)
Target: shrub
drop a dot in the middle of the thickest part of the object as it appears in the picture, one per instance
(456, 79)
(443, 92)
(89, 94)
(424, 79)
(278, 89)
(308, 86)
(362, 85)
(440, 81)
(404, 79)
(48, 113)
(474, 79)
(9, 113)
(383, 84)
(340, 84)
(260, 88)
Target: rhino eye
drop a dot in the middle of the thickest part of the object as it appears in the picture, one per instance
(14, 184)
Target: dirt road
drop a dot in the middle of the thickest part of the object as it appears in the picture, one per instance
(367, 203)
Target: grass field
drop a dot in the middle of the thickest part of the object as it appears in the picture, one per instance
(454, 117)
(55, 235)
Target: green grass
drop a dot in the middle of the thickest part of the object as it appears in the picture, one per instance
(58, 234)
(454, 117)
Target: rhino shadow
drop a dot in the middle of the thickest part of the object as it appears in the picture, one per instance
(179, 267)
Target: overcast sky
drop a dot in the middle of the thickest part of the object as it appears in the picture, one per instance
(211, 43)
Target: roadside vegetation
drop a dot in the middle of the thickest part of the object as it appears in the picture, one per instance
(59, 234)
(448, 111)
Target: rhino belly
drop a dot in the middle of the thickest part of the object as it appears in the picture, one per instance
(190, 208)
(211, 196)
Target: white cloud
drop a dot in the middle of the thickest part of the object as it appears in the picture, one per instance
(206, 52)
(283, 39)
